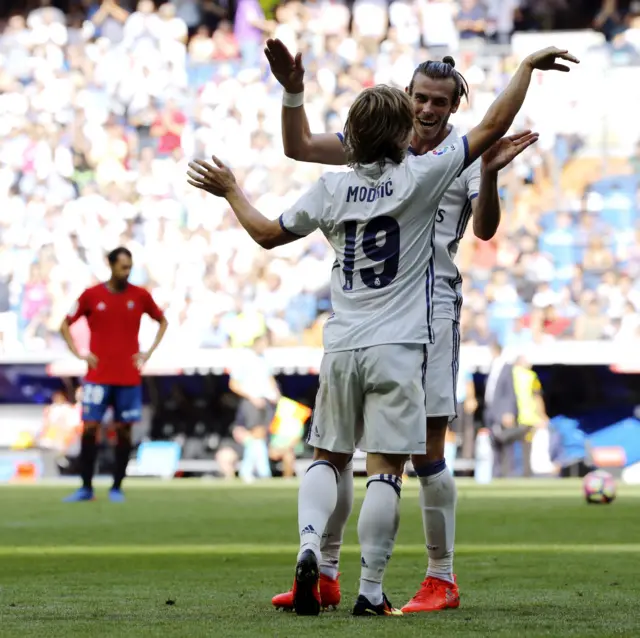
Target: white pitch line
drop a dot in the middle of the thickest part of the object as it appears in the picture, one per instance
(291, 549)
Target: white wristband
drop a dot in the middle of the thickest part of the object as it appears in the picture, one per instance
(292, 100)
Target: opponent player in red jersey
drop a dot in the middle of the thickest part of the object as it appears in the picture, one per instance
(113, 310)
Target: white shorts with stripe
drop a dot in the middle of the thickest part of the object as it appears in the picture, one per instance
(372, 399)
(442, 369)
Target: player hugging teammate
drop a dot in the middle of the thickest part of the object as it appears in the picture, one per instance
(113, 310)
(380, 218)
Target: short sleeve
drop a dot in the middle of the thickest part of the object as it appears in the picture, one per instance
(305, 215)
(151, 307)
(445, 161)
(79, 309)
(472, 181)
(435, 171)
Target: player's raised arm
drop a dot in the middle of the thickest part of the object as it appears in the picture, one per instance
(299, 221)
(485, 201)
(503, 111)
(298, 141)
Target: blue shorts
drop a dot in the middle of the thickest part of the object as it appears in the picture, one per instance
(126, 401)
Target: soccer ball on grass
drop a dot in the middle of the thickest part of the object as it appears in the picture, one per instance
(599, 487)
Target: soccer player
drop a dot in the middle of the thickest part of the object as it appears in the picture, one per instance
(113, 310)
(379, 218)
(436, 90)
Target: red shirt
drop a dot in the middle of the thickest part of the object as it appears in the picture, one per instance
(114, 323)
(169, 142)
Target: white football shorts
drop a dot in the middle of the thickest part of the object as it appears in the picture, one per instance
(372, 399)
(442, 369)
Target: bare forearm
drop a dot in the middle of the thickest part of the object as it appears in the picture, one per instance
(296, 132)
(486, 217)
(251, 219)
(503, 111)
(119, 13)
(162, 329)
(100, 16)
(68, 339)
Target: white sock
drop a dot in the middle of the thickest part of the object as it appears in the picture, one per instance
(316, 501)
(333, 534)
(438, 496)
(377, 530)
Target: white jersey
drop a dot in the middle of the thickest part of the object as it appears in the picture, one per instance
(380, 221)
(454, 213)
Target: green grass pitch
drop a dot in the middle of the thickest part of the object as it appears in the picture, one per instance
(532, 559)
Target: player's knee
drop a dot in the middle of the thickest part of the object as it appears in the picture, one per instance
(90, 428)
(123, 431)
(386, 464)
(436, 437)
(337, 459)
(437, 426)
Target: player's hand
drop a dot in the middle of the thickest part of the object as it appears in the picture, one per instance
(217, 180)
(140, 359)
(506, 149)
(545, 59)
(91, 359)
(286, 68)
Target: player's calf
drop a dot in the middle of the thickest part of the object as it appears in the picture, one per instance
(378, 524)
(87, 462)
(438, 497)
(122, 454)
(316, 502)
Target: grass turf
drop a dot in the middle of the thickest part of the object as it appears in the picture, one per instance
(203, 559)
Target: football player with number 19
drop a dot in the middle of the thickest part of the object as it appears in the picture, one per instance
(380, 219)
(113, 310)
(436, 91)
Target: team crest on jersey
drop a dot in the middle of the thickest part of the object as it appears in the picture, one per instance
(443, 150)
(130, 305)
(102, 306)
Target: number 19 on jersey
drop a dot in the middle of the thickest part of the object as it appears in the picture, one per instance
(387, 252)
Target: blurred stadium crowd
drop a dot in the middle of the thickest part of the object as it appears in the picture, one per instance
(101, 108)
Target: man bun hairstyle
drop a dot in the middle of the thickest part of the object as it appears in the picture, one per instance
(443, 71)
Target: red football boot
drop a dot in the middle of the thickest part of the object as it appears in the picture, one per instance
(434, 595)
(329, 595)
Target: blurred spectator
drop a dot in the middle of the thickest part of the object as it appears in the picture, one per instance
(250, 27)
(107, 20)
(592, 325)
(100, 113)
(471, 21)
(252, 380)
(514, 410)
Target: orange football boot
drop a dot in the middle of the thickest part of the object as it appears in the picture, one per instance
(434, 594)
(329, 595)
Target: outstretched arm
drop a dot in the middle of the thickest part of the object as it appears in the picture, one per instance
(486, 206)
(298, 221)
(220, 181)
(503, 111)
(298, 141)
